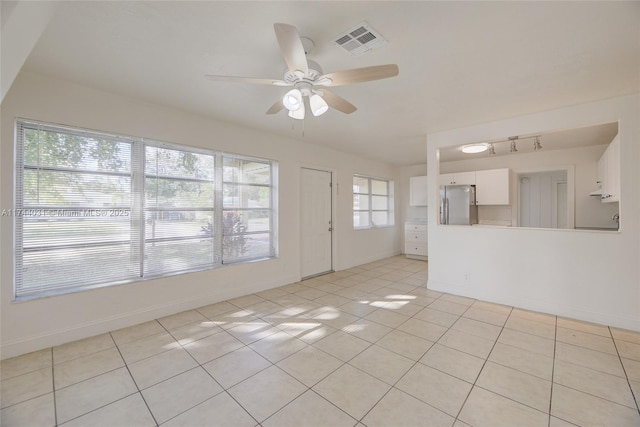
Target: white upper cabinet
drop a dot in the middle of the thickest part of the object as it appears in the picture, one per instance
(418, 194)
(492, 187)
(459, 178)
(609, 172)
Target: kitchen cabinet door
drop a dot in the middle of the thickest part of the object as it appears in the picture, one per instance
(458, 178)
(418, 194)
(492, 187)
(611, 189)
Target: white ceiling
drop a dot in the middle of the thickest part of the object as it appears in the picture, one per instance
(461, 63)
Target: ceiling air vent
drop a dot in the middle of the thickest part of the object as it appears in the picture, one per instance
(359, 39)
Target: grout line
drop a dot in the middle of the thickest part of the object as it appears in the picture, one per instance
(553, 365)
(635, 398)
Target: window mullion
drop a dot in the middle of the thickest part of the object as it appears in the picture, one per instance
(218, 198)
(137, 204)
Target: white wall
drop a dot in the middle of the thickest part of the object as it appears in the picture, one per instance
(589, 275)
(589, 211)
(31, 325)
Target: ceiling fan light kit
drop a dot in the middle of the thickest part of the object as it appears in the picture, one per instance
(304, 75)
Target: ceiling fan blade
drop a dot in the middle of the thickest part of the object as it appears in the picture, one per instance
(359, 75)
(255, 80)
(276, 107)
(338, 102)
(291, 48)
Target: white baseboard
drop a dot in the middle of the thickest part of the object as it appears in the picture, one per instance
(366, 260)
(542, 306)
(108, 324)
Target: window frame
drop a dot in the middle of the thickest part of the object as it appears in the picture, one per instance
(137, 175)
(370, 195)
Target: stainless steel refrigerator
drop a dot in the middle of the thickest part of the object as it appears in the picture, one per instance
(458, 205)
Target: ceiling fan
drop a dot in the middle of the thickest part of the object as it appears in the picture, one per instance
(307, 79)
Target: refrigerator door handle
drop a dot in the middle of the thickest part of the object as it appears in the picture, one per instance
(445, 213)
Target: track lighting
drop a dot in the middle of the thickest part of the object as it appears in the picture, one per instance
(491, 149)
(513, 147)
(536, 144)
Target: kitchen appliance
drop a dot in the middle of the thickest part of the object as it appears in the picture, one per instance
(458, 205)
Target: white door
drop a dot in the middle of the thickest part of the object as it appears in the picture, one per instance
(316, 225)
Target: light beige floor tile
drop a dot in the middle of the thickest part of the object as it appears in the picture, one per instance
(471, 344)
(26, 386)
(136, 332)
(531, 327)
(557, 422)
(130, 411)
(407, 308)
(405, 344)
(310, 410)
(477, 328)
(264, 308)
(635, 387)
(331, 288)
(233, 318)
(457, 299)
(387, 318)
(352, 390)
(38, 412)
(310, 365)
(367, 330)
(332, 300)
(523, 360)
(513, 384)
(335, 318)
(212, 347)
(270, 294)
(448, 307)
(278, 346)
(236, 366)
(532, 343)
(453, 362)
(191, 332)
(310, 293)
(586, 340)
(342, 345)
(490, 306)
(253, 331)
(436, 316)
(436, 388)
(382, 364)
(155, 369)
(628, 350)
(80, 348)
(82, 368)
(26, 363)
(625, 335)
(579, 325)
(216, 309)
(358, 308)
(180, 319)
(597, 360)
(83, 397)
(147, 347)
(402, 410)
(484, 408)
(307, 331)
(180, 393)
(493, 317)
(220, 410)
(534, 315)
(632, 368)
(425, 330)
(265, 393)
(599, 384)
(246, 300)
(584, 409)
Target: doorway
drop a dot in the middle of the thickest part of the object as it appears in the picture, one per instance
(543, 199)
(316, 222)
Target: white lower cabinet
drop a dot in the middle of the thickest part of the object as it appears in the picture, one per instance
(415, 240)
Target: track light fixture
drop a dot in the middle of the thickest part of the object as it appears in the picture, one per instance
(536, 144)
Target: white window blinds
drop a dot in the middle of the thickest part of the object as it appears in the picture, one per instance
(94, 209)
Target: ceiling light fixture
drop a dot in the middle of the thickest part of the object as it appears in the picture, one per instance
(513, 148)
(492, 150)
(299, 113)
(475, 148)
(292, 100)
(536, 144)
(318, 105)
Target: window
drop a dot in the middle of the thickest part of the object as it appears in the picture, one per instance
(94, 209)
(372, 202)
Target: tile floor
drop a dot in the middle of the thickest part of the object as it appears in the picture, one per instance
(370, 346)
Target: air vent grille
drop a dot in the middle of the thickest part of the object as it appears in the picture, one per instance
(360, 39)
